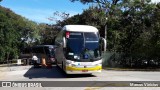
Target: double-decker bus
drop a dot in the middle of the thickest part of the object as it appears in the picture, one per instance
(79, 49)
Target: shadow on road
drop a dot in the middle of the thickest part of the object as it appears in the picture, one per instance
(54, 72)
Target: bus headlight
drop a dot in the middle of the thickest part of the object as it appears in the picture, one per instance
(73, 65)
(76, 57)
(69, 62)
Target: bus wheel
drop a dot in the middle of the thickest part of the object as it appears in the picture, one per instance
(63, 67)
(35, 64)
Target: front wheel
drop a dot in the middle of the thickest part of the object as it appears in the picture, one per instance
(63, 66)
(35, 64)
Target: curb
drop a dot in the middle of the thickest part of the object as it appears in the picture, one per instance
(128, 69)
(13, 68)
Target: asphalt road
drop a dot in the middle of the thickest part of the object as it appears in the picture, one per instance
(28, 73)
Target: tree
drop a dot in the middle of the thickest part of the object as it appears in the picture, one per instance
(14, 30)
(48, 33)
(101, 3)
(9, 36)
(107, 6)
(59, 17)
(133, 27)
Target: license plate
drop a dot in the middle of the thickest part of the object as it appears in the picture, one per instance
(84, 70)
(85, 64)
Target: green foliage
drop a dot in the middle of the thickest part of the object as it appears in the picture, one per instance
(48, 33)
(133, 28)
(9, 36)
(15, 32)
(92, 16)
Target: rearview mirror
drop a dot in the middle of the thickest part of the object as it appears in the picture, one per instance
(104, 42)
(64, 42)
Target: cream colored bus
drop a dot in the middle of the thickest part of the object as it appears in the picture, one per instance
(79, 49)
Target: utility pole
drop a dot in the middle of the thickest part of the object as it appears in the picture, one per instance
(105, 34)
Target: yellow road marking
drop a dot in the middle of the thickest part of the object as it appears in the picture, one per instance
(103, 85)
(93, 88)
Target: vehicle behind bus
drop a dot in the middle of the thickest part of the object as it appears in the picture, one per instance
(26, 56)
(79, 49)
(44, 51)
(40, 51)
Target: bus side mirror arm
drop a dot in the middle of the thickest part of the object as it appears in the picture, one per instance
(64, 42)
(104, 42)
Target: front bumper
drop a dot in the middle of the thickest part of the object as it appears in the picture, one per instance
(78, 70)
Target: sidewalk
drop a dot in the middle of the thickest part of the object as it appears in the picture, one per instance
(4, 68)
(3, 72)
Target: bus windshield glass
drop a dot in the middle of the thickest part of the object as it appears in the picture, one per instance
(91, 36)
(83, 46)
(51, 50)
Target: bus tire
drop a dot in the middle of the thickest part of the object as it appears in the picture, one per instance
(63, 67)
(35, 64)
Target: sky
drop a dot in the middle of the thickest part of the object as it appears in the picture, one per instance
(155, 1)
(40, 10)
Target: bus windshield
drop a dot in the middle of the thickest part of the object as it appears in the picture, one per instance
(83, 46)
(51, 50)
(91, 36)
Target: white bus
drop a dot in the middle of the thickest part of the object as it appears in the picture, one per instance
(79, 49)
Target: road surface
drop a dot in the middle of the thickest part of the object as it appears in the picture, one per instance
(28, 73)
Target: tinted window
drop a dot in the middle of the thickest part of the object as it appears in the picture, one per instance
(38, 50)
(91, 36)
(51, 51)
(27, 50)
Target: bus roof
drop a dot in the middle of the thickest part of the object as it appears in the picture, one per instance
(80, 28)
